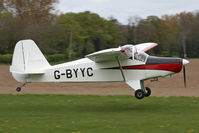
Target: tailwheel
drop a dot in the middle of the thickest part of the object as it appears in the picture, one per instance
(139, 94)
(18, 89)
(148, 91)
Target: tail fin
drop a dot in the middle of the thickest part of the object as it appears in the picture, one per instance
(27, 59)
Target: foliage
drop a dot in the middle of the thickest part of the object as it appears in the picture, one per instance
(77, 34)
(89, 32)
(97, 114)
(6, 59)
(31, 9)
(56, 57)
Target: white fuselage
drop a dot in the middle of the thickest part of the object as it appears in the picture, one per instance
(85, 70)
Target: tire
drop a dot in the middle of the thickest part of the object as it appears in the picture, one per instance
(148, 91)
(139, 94)
(18, 89)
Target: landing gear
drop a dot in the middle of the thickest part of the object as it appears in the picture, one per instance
(18, 89)
(148, 91)
(140, 94)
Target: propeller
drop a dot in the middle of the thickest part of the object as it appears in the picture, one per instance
(184, 62)
(184, 75)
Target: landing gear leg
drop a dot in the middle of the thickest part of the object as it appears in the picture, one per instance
(18, 89)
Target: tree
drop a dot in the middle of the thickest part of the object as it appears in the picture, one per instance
(153, 29)
(89, 32)
(2, 8)
(40, 10)
(28, 19)
(131, 27)
(71, 30)
(193, 37)
(172, 35)
(185, 22)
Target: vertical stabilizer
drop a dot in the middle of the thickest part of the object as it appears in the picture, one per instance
(27, 59)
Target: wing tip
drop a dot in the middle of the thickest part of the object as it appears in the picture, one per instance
(152, 46)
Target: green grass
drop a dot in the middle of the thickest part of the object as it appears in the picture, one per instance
(97, 114)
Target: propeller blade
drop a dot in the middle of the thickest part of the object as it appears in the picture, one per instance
(184, 75)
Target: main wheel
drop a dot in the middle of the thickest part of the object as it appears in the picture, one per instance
(18, 89)
(139, 94)
(148, 92)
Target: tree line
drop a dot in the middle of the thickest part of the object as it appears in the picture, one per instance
(73, 35)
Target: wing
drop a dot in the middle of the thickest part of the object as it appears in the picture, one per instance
(143, 47)
(107, 55)
(124, 52)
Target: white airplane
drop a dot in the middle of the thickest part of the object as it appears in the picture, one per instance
(128, 63)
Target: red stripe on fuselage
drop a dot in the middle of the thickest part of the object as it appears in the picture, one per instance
(174, 67)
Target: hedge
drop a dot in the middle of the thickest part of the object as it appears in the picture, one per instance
(6, 59)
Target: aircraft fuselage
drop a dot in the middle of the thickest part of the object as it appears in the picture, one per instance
(85, 70)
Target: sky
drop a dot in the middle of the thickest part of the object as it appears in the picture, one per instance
(123, 9)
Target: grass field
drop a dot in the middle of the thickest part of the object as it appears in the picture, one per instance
(97, 114)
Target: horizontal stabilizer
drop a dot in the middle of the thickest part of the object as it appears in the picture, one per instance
(28, 72)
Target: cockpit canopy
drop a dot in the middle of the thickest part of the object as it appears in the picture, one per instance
(133, 53)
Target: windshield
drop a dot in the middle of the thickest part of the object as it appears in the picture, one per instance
(140, 57)
(132, 52)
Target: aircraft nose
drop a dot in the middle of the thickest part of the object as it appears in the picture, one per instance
(184, 61)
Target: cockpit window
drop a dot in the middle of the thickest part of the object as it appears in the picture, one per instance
(140, 57)
(132, 52)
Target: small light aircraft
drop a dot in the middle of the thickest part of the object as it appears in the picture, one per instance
(128, 63)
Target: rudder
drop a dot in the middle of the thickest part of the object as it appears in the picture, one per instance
(27, 59)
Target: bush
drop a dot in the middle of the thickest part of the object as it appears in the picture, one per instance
(56, 57)
(6, 59)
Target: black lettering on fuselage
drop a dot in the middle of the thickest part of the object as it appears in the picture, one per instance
(82, 70)
(89, 71)
(75, 71)
(57, 74)
(69, 73)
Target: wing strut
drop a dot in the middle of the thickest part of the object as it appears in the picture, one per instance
(121, 69)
